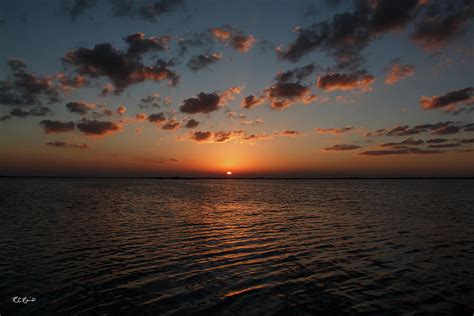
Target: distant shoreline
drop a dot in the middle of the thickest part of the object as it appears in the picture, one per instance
(239, 178)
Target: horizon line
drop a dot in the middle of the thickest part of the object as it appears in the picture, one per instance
(240, 178)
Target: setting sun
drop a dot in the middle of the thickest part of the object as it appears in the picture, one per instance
(229, 173)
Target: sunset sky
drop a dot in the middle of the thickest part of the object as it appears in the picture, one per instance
(260, 88)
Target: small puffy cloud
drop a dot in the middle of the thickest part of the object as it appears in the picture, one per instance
(121, 110)
(286, 94)
(80, 107)
(98, 128)
(68, 83)
(398, 71)
(208, 102)
(52, 127)
(225, 136)
(339, 81)
(449, 100)
(200, 136)
(251, 101)
(192, 123)
(202, 61)
(138, 44)
(296, 74)
(234, 37)
(157, 118)
(171, 124)
(342, 147)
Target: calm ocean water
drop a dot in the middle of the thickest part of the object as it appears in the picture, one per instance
(236, 247)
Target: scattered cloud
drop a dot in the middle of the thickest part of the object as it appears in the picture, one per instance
(353, 81)
(343, 147)
(203, 61)
(68, 145)
(54, 127)
(398, 71)
(449, 100)
(234, 37)
(334, 131)
(98, 128)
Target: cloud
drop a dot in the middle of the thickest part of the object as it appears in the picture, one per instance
(202, 61)
(195, 40)
(446, 130)
(448, 100)
(148, 10)
(251, 101)
(80, 107)
(208, 102)
(123, 70)
(347, 34)
(402, 151)
(26, 89)
(404, 143)
(452, 145)
(37, 111)
(68, 145)
(342, 147)
(121, 110)
(77, 7)
(234, 37)
(98, 128)
(157, 118)
(53, 127)
(437, 140)
(289, 133)
(68, 83)
(257, 121)
(192, 123)
(171, 125)
(285, 94)
(225, 136)
(297, 74)
(201, 136)
(398, 71)
(436, 129)
(442, 22)
(338, 81)
(334, 131)
(138, 44)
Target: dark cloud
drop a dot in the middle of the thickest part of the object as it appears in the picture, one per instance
(50, 127)
(442, 22)
(201, 136)
(98, 128)
(439, 128)
(448, 100)
(334, 131)
(251, 101)
(192, 123)
(195, 40)
(5, 118)
(149, 10)
(347, 34)
(437, 140)
(467, 141)
(138, 44)
(234, 37)
(68, 145)
(352, 81)
(342, 147)
(446, 130)
(79, 107)
(157, 117)
(37, 111)
(77, 7)
(26, 89)
(284, 94)
(289, 133)
(67, 83)
(171, 125)
(452, 145)
(404, 143)
(402, 151)
(397, 71)
(202, 103)
(297, 74)
(105, 61)
(202, 61)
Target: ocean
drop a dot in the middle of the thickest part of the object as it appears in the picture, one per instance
(236, 247)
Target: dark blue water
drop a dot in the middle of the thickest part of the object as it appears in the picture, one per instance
(243, 247)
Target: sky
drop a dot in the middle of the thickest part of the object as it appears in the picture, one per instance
(326, 88)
